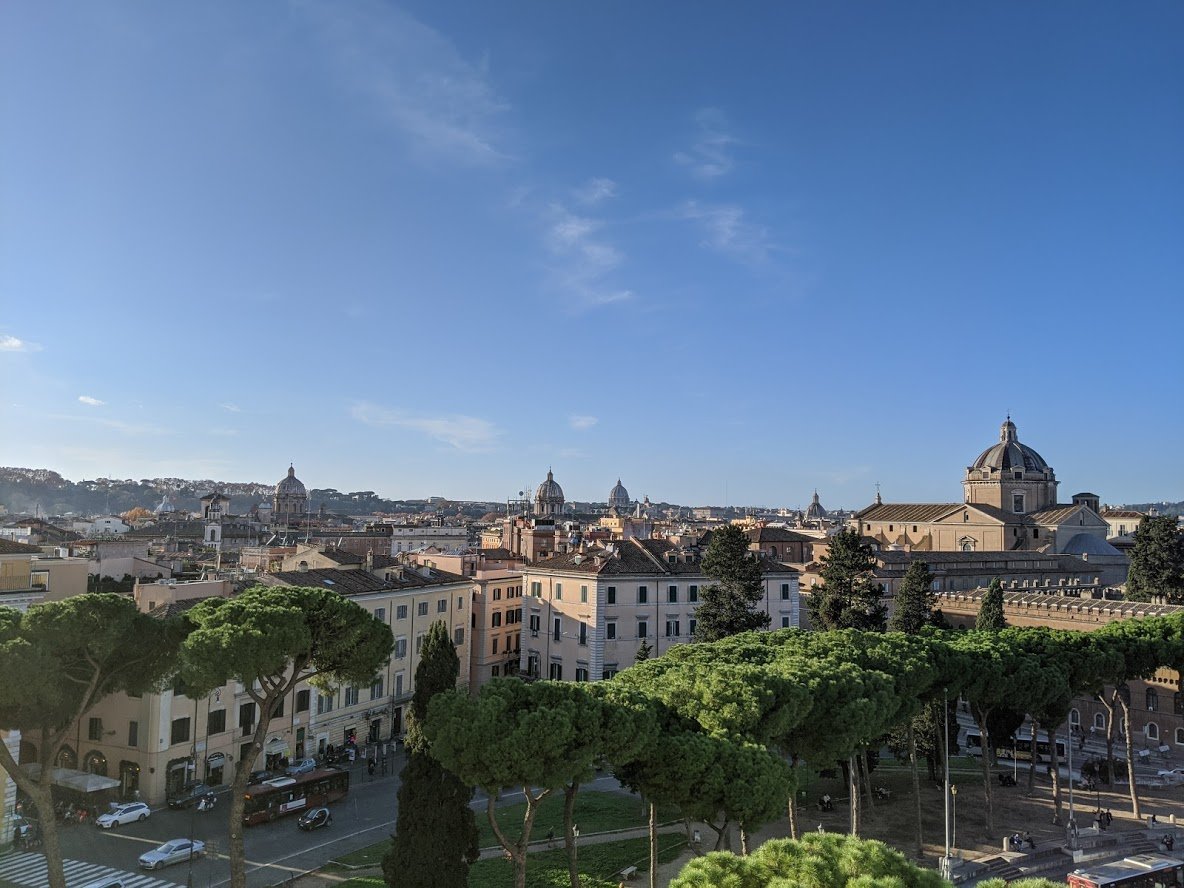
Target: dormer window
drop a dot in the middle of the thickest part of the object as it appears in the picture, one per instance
(1017, 475)
(1017, 503)
(986, 474)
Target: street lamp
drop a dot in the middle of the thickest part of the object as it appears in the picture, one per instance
(945, 861)
(954, 796)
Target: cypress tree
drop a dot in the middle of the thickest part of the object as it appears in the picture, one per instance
(990, 610)
(728, 606)
(914, 600)
(435, 837)
(849, 597)
(1157, 562)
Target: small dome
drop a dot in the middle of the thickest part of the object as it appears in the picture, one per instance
(165, 506)
(815, 512)
(1088, 544)
(549, 491)
(1009, 453)
(618, 497)
(291, 485)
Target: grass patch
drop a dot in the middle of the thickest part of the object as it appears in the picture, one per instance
(595, 812)
(364, 882)
(371, 855)
(600, 865)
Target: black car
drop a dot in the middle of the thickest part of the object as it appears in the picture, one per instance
(189, 795)
(256, 777)
(314, 818)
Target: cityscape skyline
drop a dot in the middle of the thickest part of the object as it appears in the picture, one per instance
(729, 258)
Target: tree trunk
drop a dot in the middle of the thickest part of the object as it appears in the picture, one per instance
(1054, 772)
(569, 837)
(42, 799)
(793, 808)
(1109, 707)
(865, 780)
(238, 790)
(517, 850)
(743, 841)
(988, 753)
(653, 845)
(1130, 754)
(912, 740)
(853, 787)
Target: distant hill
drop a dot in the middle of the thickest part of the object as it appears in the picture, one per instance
(45, 492)
(1164, 508)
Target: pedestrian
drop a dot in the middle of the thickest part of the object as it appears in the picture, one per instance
(820, 829)
(1154, 822)
(370, 767)
(1109, 817)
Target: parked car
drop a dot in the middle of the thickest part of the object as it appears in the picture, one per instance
(258, 777)
(314, 818)
(301, 766)
(172, 851)
(132, 812)
(189, 795)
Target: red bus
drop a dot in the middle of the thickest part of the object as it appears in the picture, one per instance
(285, 795)
(1139, 871)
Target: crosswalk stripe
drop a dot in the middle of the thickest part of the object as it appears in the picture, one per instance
(28, 868)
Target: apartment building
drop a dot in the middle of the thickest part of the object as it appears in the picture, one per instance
(586, 613)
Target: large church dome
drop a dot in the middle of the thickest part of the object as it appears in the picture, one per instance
(1009, 453)
(291, 485)
(548, 499)
(618, 497)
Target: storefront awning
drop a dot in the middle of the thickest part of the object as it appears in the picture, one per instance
(81, 781)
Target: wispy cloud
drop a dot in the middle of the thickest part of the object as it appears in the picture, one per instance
(726, 230)
(584, 259)
(595, 190)
(417, 79)
(710, 156)
(91, 402)
(232, 408)
(127, 428)
(580, 423)
(467, 433)
(12, 344)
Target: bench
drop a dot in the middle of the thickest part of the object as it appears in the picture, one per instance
(629, 872)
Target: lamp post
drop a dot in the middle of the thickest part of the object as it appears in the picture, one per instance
(945, 861)
(1072, 821)
(954, 796)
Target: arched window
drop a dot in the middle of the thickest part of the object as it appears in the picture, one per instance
(96, 763)
(1100, 721)
(1075, 717)
(1152, 731)
(1180, 736)
(67, 758)
(1152, 700)
(1178, 703)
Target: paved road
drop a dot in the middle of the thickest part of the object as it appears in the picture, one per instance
(28, 868)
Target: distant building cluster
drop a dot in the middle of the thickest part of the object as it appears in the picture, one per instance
(541, 589)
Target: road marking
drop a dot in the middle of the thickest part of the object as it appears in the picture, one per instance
(28, 868)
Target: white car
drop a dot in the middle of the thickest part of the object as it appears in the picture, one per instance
(176, 851)
(132, 812)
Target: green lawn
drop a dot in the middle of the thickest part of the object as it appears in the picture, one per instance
(595, 812)
(599, 866)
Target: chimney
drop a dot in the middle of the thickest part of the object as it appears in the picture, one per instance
(369, 560)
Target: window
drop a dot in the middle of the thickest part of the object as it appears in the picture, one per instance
(1074, 717)
(583, 594)
(419, 642)
(610, 669)
(1100, 721)
(458, 636)
(399, 676)
(672, 595)
(351, 695)
(691, 624)
(643, 594)
(422, 609)
(460, 602)
(497, 594)
(278, 709)
(180, 730)
(642, 628)
(246, 717)
(380, 614)
(559, 591)
(693, 594)
(536, 589)
(441, 605)
(1017, 502)
(400, 648)
(216, 723)
(497, 619)
(1179, 736)
(1178, 703)
(94, 729)
(610, 630)
(495, 670)
(672, 629)
(324, 703)
(785, 622)
(493, 646)
(557, 633)
(1152, 701)
(583, 632)
(610, 595)
(534, 625)
(401, 612)
(556, 672)
(1152, 731)
(133, 734)
(785, 591)
(581, 673)
(302, 700)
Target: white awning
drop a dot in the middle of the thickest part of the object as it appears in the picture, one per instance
(82, 781)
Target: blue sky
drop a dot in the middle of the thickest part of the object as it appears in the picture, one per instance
(725, 253)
